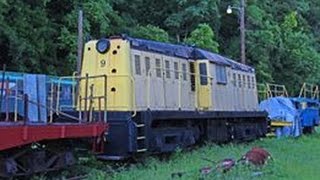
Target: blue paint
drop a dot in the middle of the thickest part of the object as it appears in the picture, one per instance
(309, 114)
(35, 87)
(301, 112)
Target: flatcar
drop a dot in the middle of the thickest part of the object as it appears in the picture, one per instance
(162, 96)
(35, 135)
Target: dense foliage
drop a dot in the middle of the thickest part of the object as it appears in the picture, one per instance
(282, 36)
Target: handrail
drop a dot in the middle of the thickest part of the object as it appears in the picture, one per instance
(7, 98)
(277, 90)
(309, 89)
(74, 92)
(94, 97)
(5, 88)
(262, 91)
(49, 105)
(73, 77)
(41, 105)
(269, 90)
(16, 103)
(86, 98)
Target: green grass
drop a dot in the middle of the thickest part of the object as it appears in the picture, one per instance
(292, 159)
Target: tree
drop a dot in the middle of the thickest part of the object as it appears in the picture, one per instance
(203, 37)
(151, 32)
(26, 35)
(280, 43)
(100, 20)
(41, 36)
(299, 60)
(283, 37)
(186, 15)
(177, 17)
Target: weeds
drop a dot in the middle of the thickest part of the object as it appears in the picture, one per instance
(293, 158)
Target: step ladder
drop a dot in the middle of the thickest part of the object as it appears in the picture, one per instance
(141, 138)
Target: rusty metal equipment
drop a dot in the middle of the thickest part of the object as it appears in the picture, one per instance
(257, 156)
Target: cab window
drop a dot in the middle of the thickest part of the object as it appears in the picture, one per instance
(221, 74)
(203, 73)
(192, 76)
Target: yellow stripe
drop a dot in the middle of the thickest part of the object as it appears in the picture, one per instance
(280, 123)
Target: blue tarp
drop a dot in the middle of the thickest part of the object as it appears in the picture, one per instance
(282, 108)
(35, 87)
(185, 52)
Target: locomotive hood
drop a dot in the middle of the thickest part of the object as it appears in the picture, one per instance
(186, 52)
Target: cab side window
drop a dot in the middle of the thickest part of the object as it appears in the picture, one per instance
(203, 73)
(221, 74)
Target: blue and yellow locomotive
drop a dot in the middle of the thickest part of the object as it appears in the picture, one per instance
(162, 96)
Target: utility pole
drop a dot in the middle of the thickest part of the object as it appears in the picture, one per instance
(79, 55)
(242, 32)
(241, 10)
(80, 41)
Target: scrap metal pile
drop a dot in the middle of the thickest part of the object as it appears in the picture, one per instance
(256, 157)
